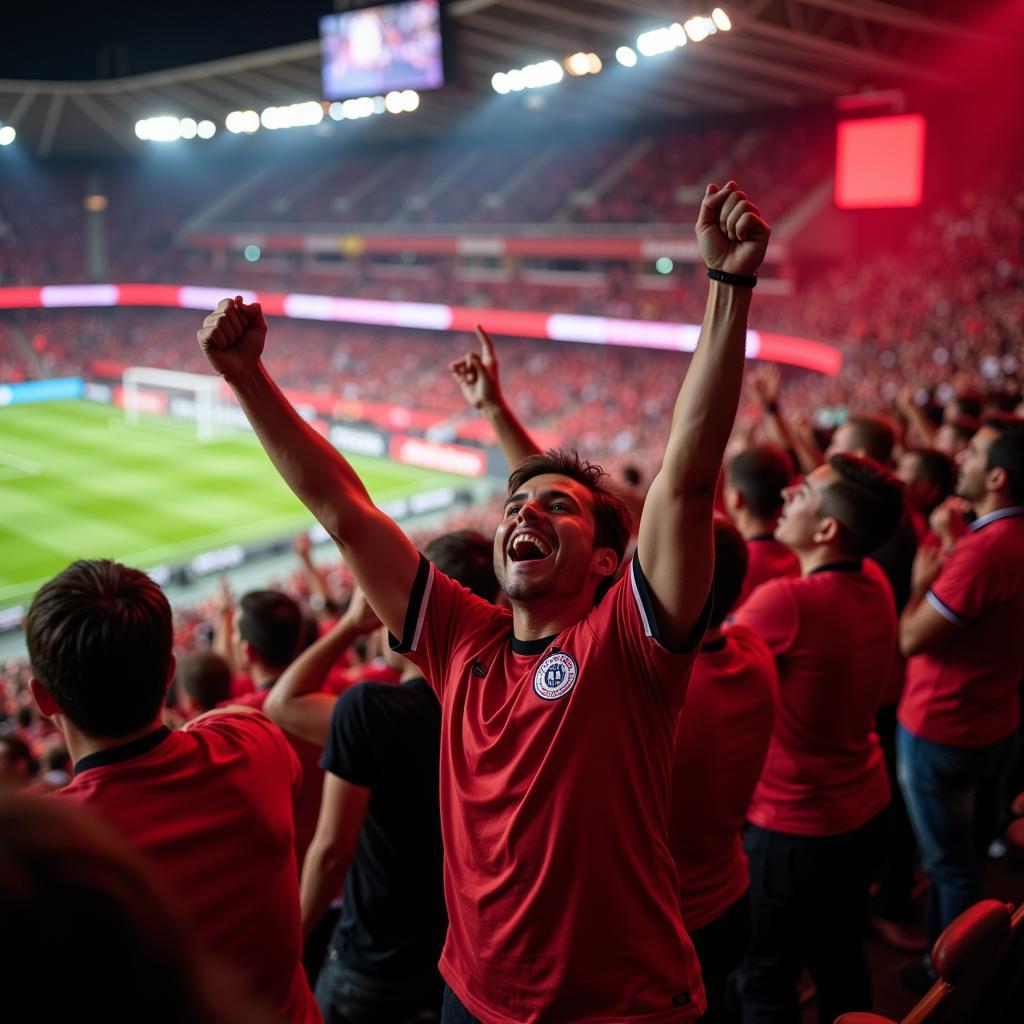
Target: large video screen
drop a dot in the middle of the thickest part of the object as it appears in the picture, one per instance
(378, 49)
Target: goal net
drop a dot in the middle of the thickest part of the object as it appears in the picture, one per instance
(197, 397)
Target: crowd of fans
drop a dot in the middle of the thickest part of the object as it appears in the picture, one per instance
(868, 536)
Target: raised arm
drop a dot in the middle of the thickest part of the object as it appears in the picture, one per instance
(295, 701)
(765, 383)
(381, 557)
(480, 384)
(675, 542)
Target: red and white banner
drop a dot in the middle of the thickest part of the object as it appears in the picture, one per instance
(593, 330)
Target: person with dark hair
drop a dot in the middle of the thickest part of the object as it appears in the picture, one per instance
(929, 477)
(381, 752)
(754, 481)
(17, 765)
(202, 681)
(210, 804)
(269, 631)
(960, 710)
(726, 723)
(557, 715)
(864, 434)
(815, 817)
(62, 868)
(955, 435)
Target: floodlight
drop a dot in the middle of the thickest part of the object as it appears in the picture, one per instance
(721, 19)
(499, 83)
(142, 129)
(7, 135)
(393, 102)
(206, 129)
(242, 121)
(697, 28)
(411, 98)
(188, 128)
(335, 112)
(577, 64)
(658, 40)
(626, 56)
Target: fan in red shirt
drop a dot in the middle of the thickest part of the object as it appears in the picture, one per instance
(726, 722)
(815, 815)
(268, 632)
(961, 709)
(754, 481)
(209, 805)
(558, 716)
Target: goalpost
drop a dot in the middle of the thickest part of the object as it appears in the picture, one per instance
(197, 397)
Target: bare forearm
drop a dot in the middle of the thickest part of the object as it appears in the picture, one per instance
(323, 874)
(318, 474)
(707, 402)
(295, 702)
(513, 438)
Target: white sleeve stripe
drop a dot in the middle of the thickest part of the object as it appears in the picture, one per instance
(422, 610)
(944, 610)
(639, 600)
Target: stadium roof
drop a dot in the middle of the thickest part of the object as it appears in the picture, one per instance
(781, 54)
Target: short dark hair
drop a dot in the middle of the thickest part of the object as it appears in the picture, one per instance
(759, 474)
(964, 427)
(875, 434)
(19, 750)
(272, 624)
(467, 557)
(1007, 452)
(866, 500)
(937, 468)
(206, 677)
(969, 403)
(612, 522)
(99, 637)
(731, 561)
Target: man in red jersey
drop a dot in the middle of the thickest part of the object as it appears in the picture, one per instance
(727, 723)
(558, 716)
(754, 482)
(961, 709)
(815, 817)
(210, 804)
(268, 631)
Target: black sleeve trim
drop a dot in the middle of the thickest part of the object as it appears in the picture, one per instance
(413, 615)
(645, 603)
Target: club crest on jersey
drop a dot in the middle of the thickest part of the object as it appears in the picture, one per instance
(555, 676)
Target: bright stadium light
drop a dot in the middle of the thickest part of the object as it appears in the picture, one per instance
(411, 99)
(697, 28)
(7, 135)
(664, 265)
(658, 40)
(335, 112)
(252, 253)
(295, 115)
(580, 64)
(626, 56)
(721, 19)
(159, 129)
(206, 129)
(533, 76)
(188, 128)
(242, 122)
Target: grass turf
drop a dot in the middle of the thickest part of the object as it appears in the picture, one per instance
(77, 482)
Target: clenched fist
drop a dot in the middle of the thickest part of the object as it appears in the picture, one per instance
(232, 337)
(732, 235)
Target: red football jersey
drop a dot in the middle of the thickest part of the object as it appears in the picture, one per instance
(556, 771)
(721, 743)
(306, 806)
(767, 559)
(211, 806)
(964, 691)
(833, 634)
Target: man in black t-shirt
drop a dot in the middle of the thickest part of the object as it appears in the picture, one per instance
(379, 827)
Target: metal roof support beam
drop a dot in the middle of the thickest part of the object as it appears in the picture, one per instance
(49, 132)
(102, 119)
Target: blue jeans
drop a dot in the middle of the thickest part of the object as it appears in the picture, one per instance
(954, 797)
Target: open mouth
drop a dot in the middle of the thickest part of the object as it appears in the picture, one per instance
(528, 547)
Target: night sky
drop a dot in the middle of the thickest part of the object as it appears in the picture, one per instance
(41, 40)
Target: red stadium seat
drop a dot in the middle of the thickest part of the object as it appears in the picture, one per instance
(965, 956)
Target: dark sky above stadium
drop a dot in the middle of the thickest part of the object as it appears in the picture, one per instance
(85, 40)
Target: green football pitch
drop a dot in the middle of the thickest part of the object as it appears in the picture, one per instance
(76, 481)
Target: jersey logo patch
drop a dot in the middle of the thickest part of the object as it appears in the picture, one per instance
(555, 676)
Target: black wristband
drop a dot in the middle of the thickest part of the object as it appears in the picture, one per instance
(772, 407)
(743, 280)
